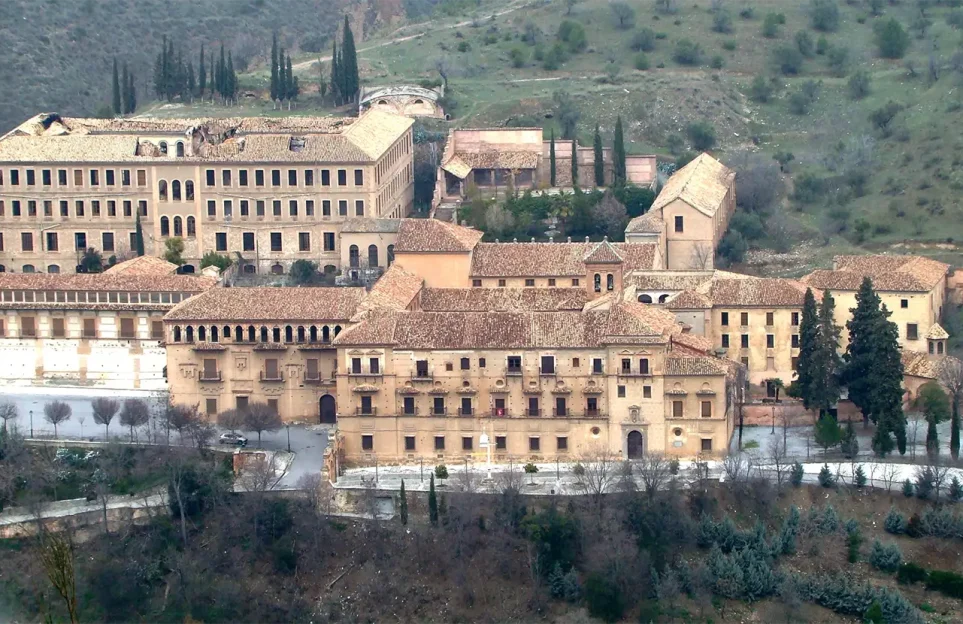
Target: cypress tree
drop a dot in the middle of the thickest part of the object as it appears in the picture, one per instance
(201, 74)
(124, 90)
(618, 154)
(432, 502)
(292, 82)
(808, 345)
(350, 58)
(230, 78)
(955, 430)
(827, 363)
(160, 71)
(191, 85)
(131, 94)
(116, 102)
(335, 72)
(551, 158)
(222, 74)
(170, 76)
(138, 236)
(274, 67)
(574, 165)
(282, 77)
(403, 504)
(599, 163)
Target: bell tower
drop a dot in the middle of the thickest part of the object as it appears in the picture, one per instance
(603, 269)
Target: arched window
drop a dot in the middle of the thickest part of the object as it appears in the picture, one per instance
(249, 269)
(276, 334)
(325, 334)
(337, 330)
(372, 256)
(189, 334)
(227, 332)
(382, 102)
(288, 334)
(391, 254)
(645, 299)
(187, 268)
(419, 101)
(277, 269)
(330, 269)
(301, 334)
(238, 334)
(176, 190)
(264, 334)
(163, 147)
(165, 226)
(178, 226)
(191, 229)
(313, 334)
(29, 268)
(180, 149)
(663, 298)
(609, 281)
(214, 333)
(177, 333)
(189, 190)
(162, 190)
(353, 256)
(201, 333)
(598, 283)
(53, 268)
(251, 334)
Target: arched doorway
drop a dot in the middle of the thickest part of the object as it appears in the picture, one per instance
(635, 445)
(329, 413)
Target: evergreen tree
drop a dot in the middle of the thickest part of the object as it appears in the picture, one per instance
(222, 74)
(191, 84)
(827, 432)
(292, 80)
(131, 94)
(403, 504)
(230, 78)
(201, 74)
(551, 158)
(859, 351)
(212, 83)
(432, 502)
(849, 444)
(955, 432)
(274, 68)
(806, 387)
(160, 71)
(618, 155)
(350, 59)
(124, 90)
(335, 72)
(936, 408)
(115, 101)
(574, 165)
(599, 162)
(826, 363)
(138, 236)
(170, 75)
(282, 77)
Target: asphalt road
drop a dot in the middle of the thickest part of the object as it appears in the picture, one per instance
(308, 443)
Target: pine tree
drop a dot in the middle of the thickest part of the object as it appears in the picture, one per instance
(859, 478)
(274, 68)
(827, 432)
(574, 165)
(551, 158)
(403, 504)
(350, 58)
(201, 75)
(115, 101)
(935, 405)
(599, 162)
(124, 87)
(138, 236)
(849, 444)
(806, 387)
(618, 154)
(432, 502)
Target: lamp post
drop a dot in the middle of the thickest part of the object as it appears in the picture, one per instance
(288, 427)
(31, 423)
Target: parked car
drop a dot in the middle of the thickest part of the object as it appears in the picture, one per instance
(235, 439)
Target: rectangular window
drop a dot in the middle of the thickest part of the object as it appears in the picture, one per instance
(245, 208)
(358, 177)
(293, 208)
(45, 177)
(325, 177)
(576, 362)
(744, 319)
(644, 366)
(79, 208)
(57, 328)
(646, 392)
(108, 241)
(329, 241)
(725, 341)
(53, 241)
(128, 208)
(679, 226)
(211, 208)
(912, 331)
(142, 207)
(574, 281)
(276, 241)
(439, 443)
(561, 443)
(706, 445)
(476, 283)
(409, 406)
(276, 207)
(31, 177)
(707, 409)
(127, 328)
(359, 208)
(304, 241)
(467, 442)
(366, 405)
(465, 363)
(744, 341)
(220, 241)
(795, 341)
(770, 341)
(275, 177)
(247, 239)
(210, 178)
(501, 283)
(621, 391)
(343, 207)
(551, 281)
(309, 177)
(94, 177)
(548, 365)
(28, 326)
(769, 319)
(342, 177)
(438, 406)
(258, 177)
(259, 207)
(241, 402)
(367, 442)
(157, 330)
(292, 177)
(111, 208)
(410, 443)
(31, 208)
(211, 407)
(108, 177)
(15, 207)
(795, 319)
(374, 365)
(78, 177)
(355, 366)
(501, 443)
(904, 303)
(466, 409)
(534, 444)
(271, 369)
(597, 366)
(141, 177)
(530, 283)
(133, 240)
(15, 177)
(794, 362)
(325, 207)
(64, 208)
(309, 208)
(90, 328)
(242, 177)
(26, 241)
(677, 409)
(228, 208)
(481, 362)
(62, 177)
(725, 319)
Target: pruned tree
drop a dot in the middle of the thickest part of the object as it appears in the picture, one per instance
(596, 470)
(56, 412)
(104, 410)
(655, 471)
(134, 413)
(702, 255)
(778, 462)
(231, 419)
(8, 412)
(260, 417)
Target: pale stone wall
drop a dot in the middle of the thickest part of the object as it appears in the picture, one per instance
(440, 270)
(693, 246)
(923, 309)
(763, 362)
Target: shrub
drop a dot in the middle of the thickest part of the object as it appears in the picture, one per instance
(882, 117)
(554, 58)
(573, 35)
(749, 224)
(464, 46)
(939, 522)
(891, 39)
(956, 490)
(303, 272)
(914, 528)
(640, 61)
(853, 541)
(945, 582)
(517, 56)
(770, 26)
(564, 585)
(796, 474)
(822, 45)
(894, 523)
(732, 248)
(838, 60)
(925, 483)
(844, 595)
(643, 40)
(886, 558)
(687, 52)
(604, 598)
(859, 479)
(874, 614)
(908, 488)
(824, 15)
(799, 103)
(829, 521)
(859, 84)
(746, 13)
(722, 21)
(809, 188)
(787, 60)
(804, 43)
(717, 62)
(702, 135)
(729, 45)
(760, 90)
(212, 258)
(910, 573)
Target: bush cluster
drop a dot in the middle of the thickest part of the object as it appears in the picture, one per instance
(843, 595)
(886, 558)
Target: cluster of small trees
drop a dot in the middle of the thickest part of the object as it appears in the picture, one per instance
(345, 80)
(174, 76)
(284, 84)
(123, 91)
(256, 418)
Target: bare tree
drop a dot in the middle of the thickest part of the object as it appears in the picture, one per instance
(444, 66)
(135, 413)
(260, 417)
(737, 468)
(468, 479)
(56, 412)
(777, 459)
(941, 474)
(950, 377)
(595, 471)
(104, 410)
(260, 473)
(915, 419)
(57, 558)
(655, 472)
(890, 474)
(231, 419)
(8, 411)
(702, 255)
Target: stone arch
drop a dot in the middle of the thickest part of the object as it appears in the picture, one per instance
(634, 444)
(645, 299)
(251, 334)
(663, 298)
(53, 268)
(187, 269)
(165, 226)
(201, 334)
(264, 333)
(29, 268)
(337, 330)
(250, 269)
(239, 334)
(214, 333)
(330, 269)
(325, 334)
(176, 190)
(178, 226)
(328, 409)
(288, 333)
(598, 282)
(277, 269)
(189, 334)
(301, 333)
(162, 190)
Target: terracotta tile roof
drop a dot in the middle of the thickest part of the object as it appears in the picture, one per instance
(936, 332)
(602, 253)
(434, 236)
(889, 273)
(703, 184)
(692, 343)
(270, 304)
(143, 265)
(689, 300)
(48, 137)
(457, 167)
(698, 366)
(122, 282)
(499, 159)
(503, 299)
(757, 291)
(395, 290)
(370, 226)
(460, 158)
(552, 259)
(919, 364)
(650, 222)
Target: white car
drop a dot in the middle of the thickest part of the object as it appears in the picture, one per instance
(234, 439)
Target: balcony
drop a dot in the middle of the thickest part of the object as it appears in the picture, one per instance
(422, 375)
(412, 412)
(594, 413)
(547, 372)
(513, 371)
(316, 380)
(377, 373)
(533, 413)
(628, 372)
(500, 412)
(209, 376)
(366, 411)
(439, 411)
(562, 413)
(273, 377)
(469, 412)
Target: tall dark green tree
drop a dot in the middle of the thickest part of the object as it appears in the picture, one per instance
(805, 387)
(170, 75)
(138, 236)
(349, 56)
(191, 84)
(116, 102)
(124, 90)
(574, 165)
(222, 74)
(274, 68)
(293, 88)
(282, 77)
(131, 105)
(618, 155)
(551, 158)
(160, 71)
(230, 78)
(599, 159)
(335, 71)
(827, 364)
(432, 501)
(201, 74)
(403, 504)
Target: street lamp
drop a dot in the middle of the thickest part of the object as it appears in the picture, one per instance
(31, 423)
(288, 427)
